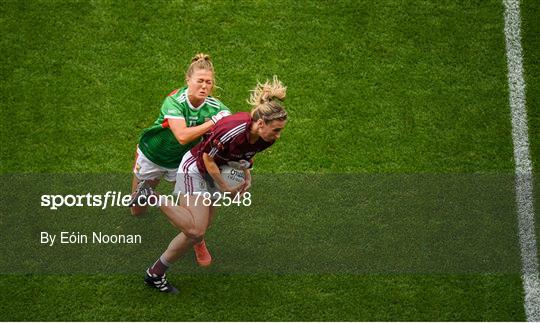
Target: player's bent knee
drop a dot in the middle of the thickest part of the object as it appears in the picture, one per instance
(196, 234)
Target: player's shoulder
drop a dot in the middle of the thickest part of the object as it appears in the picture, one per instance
(178, 96)
(237, 122)
(238, 118)
(174, 104)
(214, 102)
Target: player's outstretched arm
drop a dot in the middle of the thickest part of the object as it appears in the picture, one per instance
(185, 134)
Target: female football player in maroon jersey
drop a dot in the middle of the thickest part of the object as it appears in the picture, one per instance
(234, 140)
(186, 114)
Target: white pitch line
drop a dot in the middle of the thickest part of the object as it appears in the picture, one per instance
(524, 173)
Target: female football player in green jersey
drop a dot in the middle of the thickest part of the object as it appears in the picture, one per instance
(186, 114)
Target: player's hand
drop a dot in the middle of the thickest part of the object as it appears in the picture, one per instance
(220, 115)
(244, 164)
(240, 165)
(233, 190)
(245, 186)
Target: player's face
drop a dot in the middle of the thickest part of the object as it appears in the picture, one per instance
(272, 130)
(200, 84)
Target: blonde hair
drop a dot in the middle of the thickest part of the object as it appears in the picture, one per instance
(266, 101)
(201, 61)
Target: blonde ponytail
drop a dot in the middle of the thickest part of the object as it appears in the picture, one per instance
(266, 101)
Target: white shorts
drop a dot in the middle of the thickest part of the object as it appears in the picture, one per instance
(189, 180)
(146, 169)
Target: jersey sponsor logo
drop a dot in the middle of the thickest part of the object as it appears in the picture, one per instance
(247, 155)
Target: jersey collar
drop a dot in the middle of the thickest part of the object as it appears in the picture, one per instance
(191, 105)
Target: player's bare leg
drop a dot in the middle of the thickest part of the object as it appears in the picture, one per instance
(177, 248)
(203, 256)
(186, 216)
(193, 222)
(191, 234)
(182, 218)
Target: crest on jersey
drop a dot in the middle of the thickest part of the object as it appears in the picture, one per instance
(217, 144)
